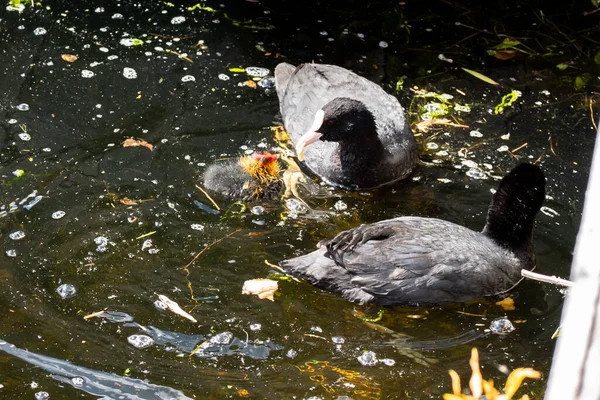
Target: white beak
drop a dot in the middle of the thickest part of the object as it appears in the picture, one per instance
(311, 136)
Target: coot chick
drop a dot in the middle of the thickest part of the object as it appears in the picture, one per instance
(246, 178)
(346, 129)
(428, 261)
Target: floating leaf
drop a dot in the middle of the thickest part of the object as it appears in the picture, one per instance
(505, 54)
(69, 57)
(137, 142)
(250, 83)
(597, 57)
(481, 76)
(237, 70)
(507, 43)
(516, 378)
(562, 66)
(508, 304)
(263, 288)
(582, 80)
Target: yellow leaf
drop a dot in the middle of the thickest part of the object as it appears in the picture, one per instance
(456, 389)
(476, 378)
(516, 378)
(481, 76)
(508, 304)
(263, 288)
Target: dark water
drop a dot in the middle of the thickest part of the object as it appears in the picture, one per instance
(306, 342)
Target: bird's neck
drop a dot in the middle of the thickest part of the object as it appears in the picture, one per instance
(514, 234)
(361, 152)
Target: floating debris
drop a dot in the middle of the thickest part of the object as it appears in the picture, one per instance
(165, 303)
(383, 44)
(11, 253)
(255, 327)
(475, 134)
(86, 73)
(23, 107)
(66, 291)
(263, 288)
(24, 136)
(197, 227)
(178, 20)
(223, 77)
(140, 341)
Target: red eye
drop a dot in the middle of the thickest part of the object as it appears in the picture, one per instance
(330, 122)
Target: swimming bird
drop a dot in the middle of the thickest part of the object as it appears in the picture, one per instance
(428, 261)
(248, 177)
(346, 129)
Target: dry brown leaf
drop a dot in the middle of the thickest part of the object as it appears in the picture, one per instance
(263, 288)
(131, 142)
(250, 83)
(505, 54)
(69, 57)
(508, 304)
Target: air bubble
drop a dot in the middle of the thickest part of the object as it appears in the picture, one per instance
(66, 291)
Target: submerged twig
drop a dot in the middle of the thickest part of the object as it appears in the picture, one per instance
(207, 247)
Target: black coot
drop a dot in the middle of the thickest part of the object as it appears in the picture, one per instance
(427, 261)
(248, 177)
(346, 129)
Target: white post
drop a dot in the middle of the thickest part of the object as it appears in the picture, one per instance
(575, 372)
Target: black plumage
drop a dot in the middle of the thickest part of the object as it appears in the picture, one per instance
(346, 129)
(427, 261)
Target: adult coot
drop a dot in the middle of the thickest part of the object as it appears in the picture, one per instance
(247, 177)
(426, 261)
(358, 135)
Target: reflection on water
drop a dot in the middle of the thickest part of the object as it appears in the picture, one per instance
(110, 226)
